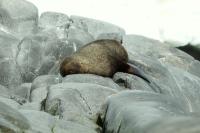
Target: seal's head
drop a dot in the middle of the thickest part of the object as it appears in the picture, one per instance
(69, 66)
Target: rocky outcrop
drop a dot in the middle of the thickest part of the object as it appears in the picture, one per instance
(35, 98)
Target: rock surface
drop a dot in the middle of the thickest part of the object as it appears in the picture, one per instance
(35, 98)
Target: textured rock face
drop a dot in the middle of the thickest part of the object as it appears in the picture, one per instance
(20, 20)
(35, 98)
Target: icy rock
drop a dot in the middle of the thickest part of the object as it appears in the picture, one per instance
(31, 106)
(131, 82)
(154, 50)
(133, 111)
(44, 81)
(8, 45)
(23, 90)
(12, 120)
(78, 102)
(39, 121)
(56, 22)
(4, 91)
(92, 79)
(9, 74)
(95, 27)
(175, 125)
(39, 53)
(78, 37)
(10, 102)
(114, 36)
(39, 94)
(62, 126)
(20, 20)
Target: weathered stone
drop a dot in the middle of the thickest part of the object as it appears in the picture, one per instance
(23, 90)
(44, 81)
(39, 53)
(11, 120)
(95, 27)
(92, 79)
(20, 20)
(79, 102)
(39, 121)
(133, 111)
(56, 22)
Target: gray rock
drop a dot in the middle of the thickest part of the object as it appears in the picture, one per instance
(39, 94)
(10, 102)
(92, 79)
(133, 111)
(56, 22)
(44, 81)
(39, 121)
(71, 127)
(11, 120)
(20, 20)
(78, 36)
(79, 102)
(9, 73)
(38, 54)
(114, 36)
(23, 90)
(4, 91)
(9, 45)
(140, 48)
(95, 27)
(31, 106)
(131, 82)
(175, 125)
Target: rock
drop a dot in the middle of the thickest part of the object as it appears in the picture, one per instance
(114, 36)
(141, 49)
(92, 79)
(23, 90)
(78, 37)
(9, 45)
(44, 81)
(194, 51)
(10, 102)
(95, 27)
(71, 127)
(39, 121)
(39, 94)
(131, 82)
(9, 74)
(141, 110)
(12, 120)
(56, 22)
(4, 91)
(39, 53)
(20, 20)
(175, 125)
(78, 102)
(31, 106)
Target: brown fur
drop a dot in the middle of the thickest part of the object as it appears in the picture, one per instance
(101, 57)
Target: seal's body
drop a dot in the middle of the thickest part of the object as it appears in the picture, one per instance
(101, 57)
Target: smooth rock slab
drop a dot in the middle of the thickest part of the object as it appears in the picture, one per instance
(132, 111)
(175, 125)
(21, 20)
(56, 22)
(78, 102)
(39, 53)
(11, 120)
(95, 27)
(91, 78)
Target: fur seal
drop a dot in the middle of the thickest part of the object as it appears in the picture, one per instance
(101, 57)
